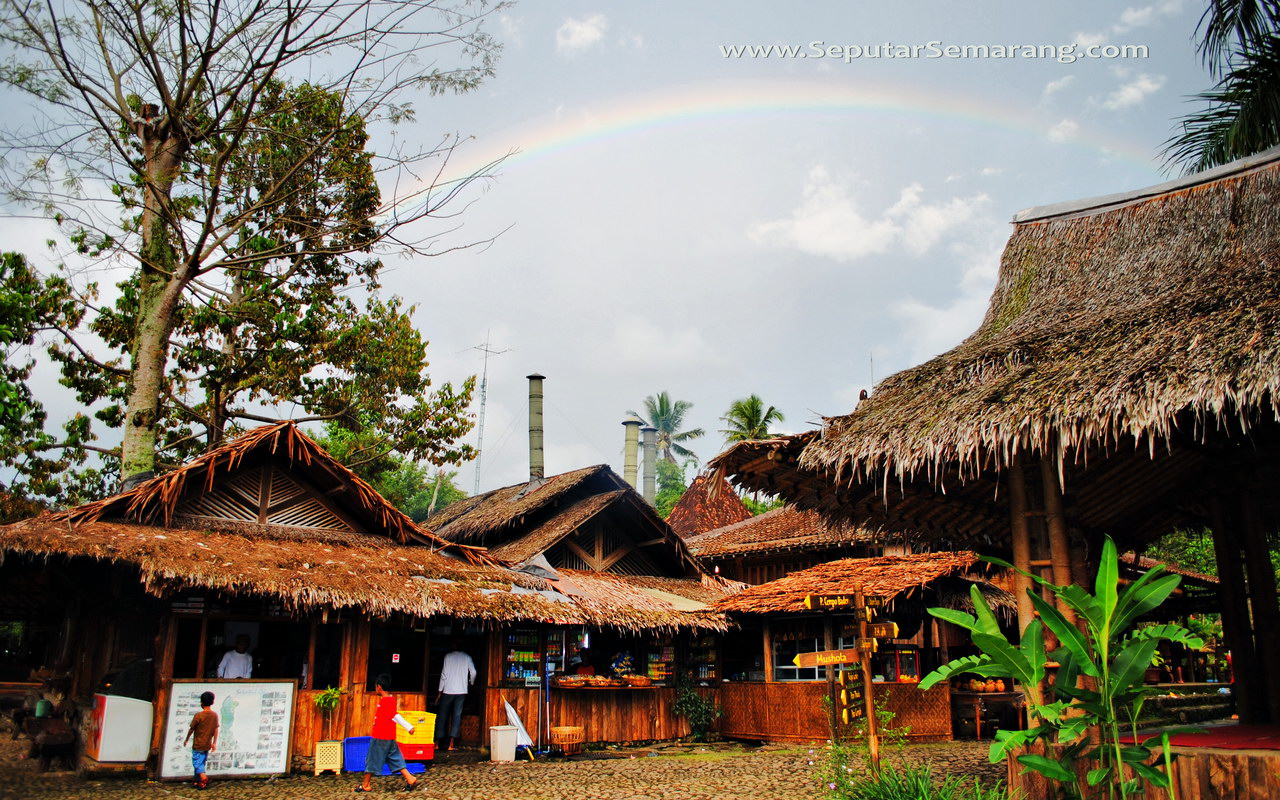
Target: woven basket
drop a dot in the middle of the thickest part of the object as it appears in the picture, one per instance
(568, 738)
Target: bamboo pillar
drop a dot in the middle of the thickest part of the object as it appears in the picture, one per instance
(1251, 702)
(1056, 521)
(1021, 541)
(1262, 601)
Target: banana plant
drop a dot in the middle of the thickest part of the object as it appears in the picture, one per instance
(1098, 688)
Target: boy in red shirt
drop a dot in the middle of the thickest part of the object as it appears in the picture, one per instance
(204, 726)
(383, 749)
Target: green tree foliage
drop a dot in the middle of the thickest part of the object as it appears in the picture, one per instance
(409, 485)
(748, 420)
(32, 306)
(667, 415)
(671, 487)
(1240, 44)
(248, 203)
(758, 506)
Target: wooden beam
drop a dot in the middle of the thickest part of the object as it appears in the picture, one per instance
(768, 652)
(583, 554)
(1250, 702)
(1262, 600)
(1021, 540)
(1056, 521)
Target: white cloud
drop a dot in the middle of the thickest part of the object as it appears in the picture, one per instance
(1142, 16)
(934, 329)
(828, 222)
(1089, 39)
(578, 34)
(1064, 130)
(1134, 92)
(511, 29)
(1053, 87)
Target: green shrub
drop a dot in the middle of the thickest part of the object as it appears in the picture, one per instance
(844, 780)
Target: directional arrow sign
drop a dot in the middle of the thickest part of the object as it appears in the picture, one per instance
(850, 713)
(873, 601)
(827, 602)
(851, 695)
(868, 645)
(883, 630)
(823, 658)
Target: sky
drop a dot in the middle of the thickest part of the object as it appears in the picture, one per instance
(678, 215)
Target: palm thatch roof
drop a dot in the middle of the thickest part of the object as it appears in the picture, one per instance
(487, 516)
(709, 503)
(158, 501)
(520, 522)
(783, 529)
(1126, 329)
(364, 574)
(887, 576)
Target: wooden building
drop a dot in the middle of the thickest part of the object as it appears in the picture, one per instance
(595, 538)
(768, 697)
(1123, 382)
(270, 537)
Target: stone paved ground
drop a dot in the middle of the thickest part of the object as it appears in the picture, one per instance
(674, 772)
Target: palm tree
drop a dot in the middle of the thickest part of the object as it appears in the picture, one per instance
(748, 420)
(667, 416)
(1240, 45)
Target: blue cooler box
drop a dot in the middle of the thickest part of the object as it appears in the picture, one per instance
(356, 748)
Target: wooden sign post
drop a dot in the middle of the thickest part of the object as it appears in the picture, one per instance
(873, 736)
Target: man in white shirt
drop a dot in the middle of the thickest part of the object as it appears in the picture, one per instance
(237, 663)
(456, 676)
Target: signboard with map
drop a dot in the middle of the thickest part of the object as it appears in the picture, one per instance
(255, 727)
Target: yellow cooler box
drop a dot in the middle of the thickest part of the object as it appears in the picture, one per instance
(419, 745)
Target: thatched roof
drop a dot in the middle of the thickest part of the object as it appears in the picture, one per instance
(781, 530)
(1119, 328)
(157, 501)
(517, 523)
(363, 574)
(487, 516)
(888, 576)
(709, 503)
(642, 601)
(1104, 325)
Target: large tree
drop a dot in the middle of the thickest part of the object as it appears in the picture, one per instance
(667, 415)
(249, 202)
(748, 419)
(1240, 45)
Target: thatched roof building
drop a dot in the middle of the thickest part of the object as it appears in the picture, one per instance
(587, 519)
(709, 503)
(887, 576)
(1128, 329)
(273, 515)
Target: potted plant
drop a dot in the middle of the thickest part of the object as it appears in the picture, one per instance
(327, 700)
(1154, 672)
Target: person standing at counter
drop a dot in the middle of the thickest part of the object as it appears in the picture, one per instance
(456, 676)
(237, 663)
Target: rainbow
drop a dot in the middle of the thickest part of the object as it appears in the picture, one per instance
(637, 114)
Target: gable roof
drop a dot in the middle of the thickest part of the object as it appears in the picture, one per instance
(484, 516)
(709, 503)
(161, 500)
(518, 524)
(887, 576)
(783, 529)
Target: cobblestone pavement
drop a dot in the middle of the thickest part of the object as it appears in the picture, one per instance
(671, 772)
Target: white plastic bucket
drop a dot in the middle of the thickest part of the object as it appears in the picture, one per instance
(502, 743)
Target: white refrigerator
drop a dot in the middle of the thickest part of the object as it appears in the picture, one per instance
(120, 729)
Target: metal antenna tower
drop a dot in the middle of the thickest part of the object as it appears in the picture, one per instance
(484, 394)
